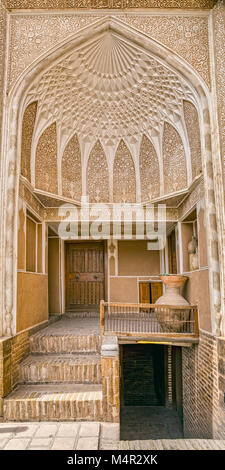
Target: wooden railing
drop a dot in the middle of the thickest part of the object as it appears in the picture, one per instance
(148, 320)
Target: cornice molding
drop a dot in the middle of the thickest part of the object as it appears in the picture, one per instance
(108, 4)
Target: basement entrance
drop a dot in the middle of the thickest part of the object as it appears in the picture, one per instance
(150, 392)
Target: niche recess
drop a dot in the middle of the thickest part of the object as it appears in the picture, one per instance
(189, 230)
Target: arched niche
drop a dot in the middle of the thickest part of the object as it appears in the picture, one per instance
(97, 175)
(29, 118)
(19, 97)
(174, 160)
(46, 161)
(193, 131)
(71, 171)
(124, 176)
(149, 170)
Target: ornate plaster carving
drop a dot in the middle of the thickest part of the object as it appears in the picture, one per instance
(32, 35)
(71, 170)
(98, 175)
(108, 90)
(175, 174)
(149, 171)
(46, 167)
(187, 35)
(16, 101)
(102, 4)
(27, 135)
(192, 124)
(124, 178)
(219, 40)
(28, 197)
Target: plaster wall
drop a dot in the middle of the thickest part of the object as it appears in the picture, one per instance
(134, 259)
(196, 291)
(54, 275)
(32, 299)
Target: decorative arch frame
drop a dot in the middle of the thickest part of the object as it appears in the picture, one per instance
(15, 105)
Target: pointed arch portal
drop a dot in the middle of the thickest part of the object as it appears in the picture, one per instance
(126, 39)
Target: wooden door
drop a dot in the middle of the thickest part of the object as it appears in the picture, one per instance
(144, 292)
(84, 276)
(156, 291)
(149, 292)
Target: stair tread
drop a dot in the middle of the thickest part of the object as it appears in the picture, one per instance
(71, 327)
(61, 359)
(48, 392)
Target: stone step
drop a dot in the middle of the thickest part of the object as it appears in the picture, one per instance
(61, 368)
(58, 402)
(83, 314)
(42, 342)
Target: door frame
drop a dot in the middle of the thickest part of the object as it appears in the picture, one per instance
(105, 264)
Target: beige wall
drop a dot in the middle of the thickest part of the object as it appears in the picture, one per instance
(54, 275)
(124, 290)
(135, 260)
(187, 233)
(202, 238)
(21, 241)
(196, 291)
(32, 299)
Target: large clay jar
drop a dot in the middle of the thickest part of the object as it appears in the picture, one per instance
(172, 320)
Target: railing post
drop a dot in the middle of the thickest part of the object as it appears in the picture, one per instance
(102, 317)
(196, 321)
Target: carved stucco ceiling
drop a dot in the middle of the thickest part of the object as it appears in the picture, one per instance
(109, 89)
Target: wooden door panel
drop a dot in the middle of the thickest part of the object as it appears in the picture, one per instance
(144, 293)
(85, 275)
(156, 291)
(150, 292)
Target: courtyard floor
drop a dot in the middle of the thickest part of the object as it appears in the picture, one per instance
(88, 436)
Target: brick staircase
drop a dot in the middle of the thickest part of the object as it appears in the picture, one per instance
(60, 380)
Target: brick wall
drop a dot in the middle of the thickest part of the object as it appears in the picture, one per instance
(219, 426)
(143, 375)
(12, 351)
(202, 388)
(110, 380)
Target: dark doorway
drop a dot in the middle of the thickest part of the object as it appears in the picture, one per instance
(143, 375)
(150, 392)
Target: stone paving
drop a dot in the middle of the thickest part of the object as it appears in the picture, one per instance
(88, 436)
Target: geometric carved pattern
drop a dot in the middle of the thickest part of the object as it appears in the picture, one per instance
(192, 124)
(97, 175)
(175, 174)
(111, 94)
(32, 35)
(101, 4)
(219, 40)
(149, 171)
(124, 179)
(108, 90)
(71, 170)
(46, 161)
(27, 134)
